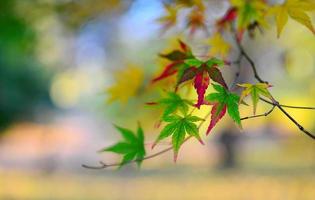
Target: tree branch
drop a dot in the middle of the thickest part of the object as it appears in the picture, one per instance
(237, 74)
(251, 62)
(289, 106)
(261, 115)
(274, 102)
(293, 120)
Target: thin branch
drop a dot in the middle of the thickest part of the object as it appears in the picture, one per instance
(276, 103)
(237, 74)
(104, 165)
(261, 115)
(251, 62)
(289, 106)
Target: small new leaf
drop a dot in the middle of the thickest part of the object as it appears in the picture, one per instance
(255, 90)
(132, 147)
(178, 127)
(221, 101)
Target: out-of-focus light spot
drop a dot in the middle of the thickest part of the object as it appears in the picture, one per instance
(139, 22)
(52, 44)
(300, 63)
(66, 89)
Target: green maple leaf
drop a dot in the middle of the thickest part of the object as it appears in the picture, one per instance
(255, 90)
(178, 127)
(173, 102)
(132, 147)
(221, 101)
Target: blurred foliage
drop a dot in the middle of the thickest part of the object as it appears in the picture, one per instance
(23, 82)
(76, 13)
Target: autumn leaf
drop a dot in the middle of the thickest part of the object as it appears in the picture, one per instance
(201, 72)
(196, 20)
(178, 127)
(296, 9)
(223, 101)
(228, 18)
(128, 83)
(194, 69)
(255, 90)
(170, 19)
(177, 58)
(218, 46)
(132, 147)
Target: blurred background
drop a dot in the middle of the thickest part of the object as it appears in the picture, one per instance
(70, 69)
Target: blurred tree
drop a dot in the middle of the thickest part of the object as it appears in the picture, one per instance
(23, 82)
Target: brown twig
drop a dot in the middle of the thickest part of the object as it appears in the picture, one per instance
(251, 62)
(261, 115)
(238, 72)
(289, 106)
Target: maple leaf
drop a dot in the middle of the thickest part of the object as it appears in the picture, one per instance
(132, 147)
(255, 90)
(178, 127)
(221, 101)
(218, 46)
(177, 57)
(229, 17)
(128, 83)
(194, 69)
(296, 9)
(170, 19)
(201, 72)
(196, 20)
(172, 103)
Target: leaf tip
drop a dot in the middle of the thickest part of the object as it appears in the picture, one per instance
(201, 142)
(175, 156)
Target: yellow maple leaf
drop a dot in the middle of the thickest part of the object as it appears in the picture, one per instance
(255, 90)
(170, 19)
(218, 46)
(127, 84)
(296, 9)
